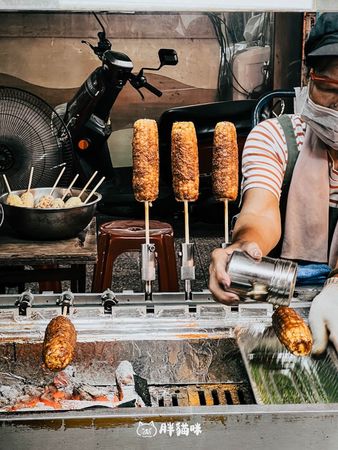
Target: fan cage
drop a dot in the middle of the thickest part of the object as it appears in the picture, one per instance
(32, 134)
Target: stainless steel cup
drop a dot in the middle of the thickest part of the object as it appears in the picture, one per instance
(269, 280)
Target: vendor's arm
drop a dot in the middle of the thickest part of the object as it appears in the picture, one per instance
(257, 231)
(323, 316)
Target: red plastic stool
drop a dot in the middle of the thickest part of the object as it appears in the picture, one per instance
(120, 236)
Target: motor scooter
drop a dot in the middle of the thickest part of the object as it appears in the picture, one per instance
(87, 114)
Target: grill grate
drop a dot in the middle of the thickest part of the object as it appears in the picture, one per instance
(201, 395)
(284, 378)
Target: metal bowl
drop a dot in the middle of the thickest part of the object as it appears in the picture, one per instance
(50, 223)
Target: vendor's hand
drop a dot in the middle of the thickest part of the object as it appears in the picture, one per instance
(323, 318)
(219, 280)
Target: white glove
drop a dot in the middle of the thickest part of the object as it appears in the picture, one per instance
(323, 318)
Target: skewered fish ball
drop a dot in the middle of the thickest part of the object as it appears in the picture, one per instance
(45, 201)
(58, 203)
(73, 201)
(27, 199)
(14, 200)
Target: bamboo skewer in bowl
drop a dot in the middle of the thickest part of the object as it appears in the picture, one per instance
(93, 190)
(46, 201)
(76, 201)
(27, 197)
(59, 203)
(225, 169)
(57, 180)
(70, 186)
(12, 199)
(88, 183)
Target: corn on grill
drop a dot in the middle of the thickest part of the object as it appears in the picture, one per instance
(200, 363)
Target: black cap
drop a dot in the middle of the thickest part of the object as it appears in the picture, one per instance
(323, 38)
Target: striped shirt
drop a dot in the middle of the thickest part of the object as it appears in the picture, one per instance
(265, 156)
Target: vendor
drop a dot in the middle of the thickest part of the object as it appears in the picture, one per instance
(290, 186)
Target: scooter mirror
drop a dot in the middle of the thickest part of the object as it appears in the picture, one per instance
(168, 57)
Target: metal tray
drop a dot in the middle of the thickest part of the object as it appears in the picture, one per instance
(278, 377)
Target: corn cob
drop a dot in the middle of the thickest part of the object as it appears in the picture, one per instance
(59, 343)
(225, 162)
(184, 161)
(145, 160)
(292, 331)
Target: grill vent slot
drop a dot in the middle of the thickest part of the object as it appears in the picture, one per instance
(241, 397)
(214, 394)
(228, 398)
(202, 398)
(201, 395)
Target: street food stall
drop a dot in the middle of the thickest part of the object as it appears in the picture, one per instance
(153, 368)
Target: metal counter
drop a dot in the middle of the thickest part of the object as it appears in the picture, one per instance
(190, 355)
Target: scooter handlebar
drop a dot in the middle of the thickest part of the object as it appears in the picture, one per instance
(152, 89)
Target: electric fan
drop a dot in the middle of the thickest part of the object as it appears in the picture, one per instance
(32, 134)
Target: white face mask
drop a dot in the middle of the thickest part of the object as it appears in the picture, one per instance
(323, 121)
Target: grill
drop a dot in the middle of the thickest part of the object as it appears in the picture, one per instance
(193, 362)
(201, 395)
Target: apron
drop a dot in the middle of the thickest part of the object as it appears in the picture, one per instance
(293, 154)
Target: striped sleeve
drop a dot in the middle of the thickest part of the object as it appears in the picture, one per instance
(264, 158)
(333, 188)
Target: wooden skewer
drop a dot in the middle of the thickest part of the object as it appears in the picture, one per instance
(96, 187)
(88, 183)
(70, 186)
(30, 179)
(186, 221)
(7, 184)
(226, 222)
(57, 180)
(146, 222)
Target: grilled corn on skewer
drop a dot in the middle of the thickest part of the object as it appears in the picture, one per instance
(292, 331)
(225, 162)
(145, 160)
(184, 161)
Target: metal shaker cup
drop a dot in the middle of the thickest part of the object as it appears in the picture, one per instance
(269, 280)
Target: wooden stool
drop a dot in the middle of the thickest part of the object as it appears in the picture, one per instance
(122, 236)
